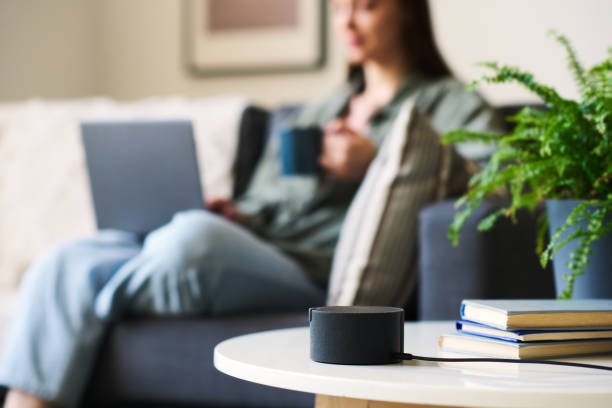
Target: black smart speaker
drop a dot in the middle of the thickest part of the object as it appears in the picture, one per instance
(356, 335)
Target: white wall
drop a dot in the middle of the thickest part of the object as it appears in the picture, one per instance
(131, 49)
(46, 48)
(142, 56)
(514, 32)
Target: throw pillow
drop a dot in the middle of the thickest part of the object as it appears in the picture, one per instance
(376, 259)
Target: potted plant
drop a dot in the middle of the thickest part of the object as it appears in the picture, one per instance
(556, 154)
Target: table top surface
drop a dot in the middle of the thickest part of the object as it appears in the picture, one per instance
(280, 358)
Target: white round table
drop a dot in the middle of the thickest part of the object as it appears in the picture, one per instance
(280, 358)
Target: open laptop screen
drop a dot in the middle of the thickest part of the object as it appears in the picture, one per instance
(141, 172)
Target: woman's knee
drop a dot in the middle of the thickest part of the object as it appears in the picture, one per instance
(191, 237)
(51, 260)
(77, 263)
(52, 273)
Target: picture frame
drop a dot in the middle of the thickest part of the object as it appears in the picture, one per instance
(241, 37)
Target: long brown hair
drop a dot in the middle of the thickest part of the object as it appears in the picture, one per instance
(418, 40)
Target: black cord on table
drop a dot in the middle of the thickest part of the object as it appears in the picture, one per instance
(408, 356)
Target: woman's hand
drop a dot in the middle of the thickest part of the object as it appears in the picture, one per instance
(345, 154)
(224, 208)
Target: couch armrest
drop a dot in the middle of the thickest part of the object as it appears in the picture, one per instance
(500, 263)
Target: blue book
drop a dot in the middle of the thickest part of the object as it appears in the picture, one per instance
(539, 314)
(521, 336)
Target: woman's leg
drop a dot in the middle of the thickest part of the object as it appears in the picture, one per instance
(201, 263)
(55, 334)
(197, 264)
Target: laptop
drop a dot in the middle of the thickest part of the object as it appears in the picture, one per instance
(141, 172)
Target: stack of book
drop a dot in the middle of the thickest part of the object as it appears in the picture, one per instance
(527, 329)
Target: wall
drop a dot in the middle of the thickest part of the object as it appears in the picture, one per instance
(46, 48)
(144, 58)
(130, 49)
(514, 32)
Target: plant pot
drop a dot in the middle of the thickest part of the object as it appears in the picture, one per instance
(597, 279)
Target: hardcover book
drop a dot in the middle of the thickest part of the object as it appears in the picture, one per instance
(539, 314)
(517, 350)
(479, 329)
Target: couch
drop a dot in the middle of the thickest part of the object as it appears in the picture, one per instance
(161, 361)
(168, 362)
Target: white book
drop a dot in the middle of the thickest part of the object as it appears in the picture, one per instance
(507, 349)
(538, 313)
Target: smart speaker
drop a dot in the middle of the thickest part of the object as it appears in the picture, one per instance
(356, 335)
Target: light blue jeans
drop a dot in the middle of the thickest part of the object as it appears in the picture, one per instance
(197, 264)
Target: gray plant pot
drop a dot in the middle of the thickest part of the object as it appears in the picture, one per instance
(597, 279)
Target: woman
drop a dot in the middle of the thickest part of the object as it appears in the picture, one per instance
(271, 249)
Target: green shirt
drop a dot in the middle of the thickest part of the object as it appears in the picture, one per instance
(302, 215)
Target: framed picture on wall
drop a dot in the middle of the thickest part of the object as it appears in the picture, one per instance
(225, 37)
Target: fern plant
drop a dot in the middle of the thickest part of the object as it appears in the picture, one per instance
(562, 152)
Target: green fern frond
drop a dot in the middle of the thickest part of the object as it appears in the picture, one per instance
(574, 64)
(461, 135)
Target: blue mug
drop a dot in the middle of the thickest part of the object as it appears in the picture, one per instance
(300, 148)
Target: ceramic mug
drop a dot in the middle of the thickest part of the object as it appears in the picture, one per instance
(300, 148)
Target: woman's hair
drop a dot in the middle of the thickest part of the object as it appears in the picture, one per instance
(418, 41)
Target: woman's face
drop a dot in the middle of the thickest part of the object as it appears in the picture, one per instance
(370, 29)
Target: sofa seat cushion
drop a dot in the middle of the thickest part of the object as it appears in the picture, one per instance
(170, 360)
